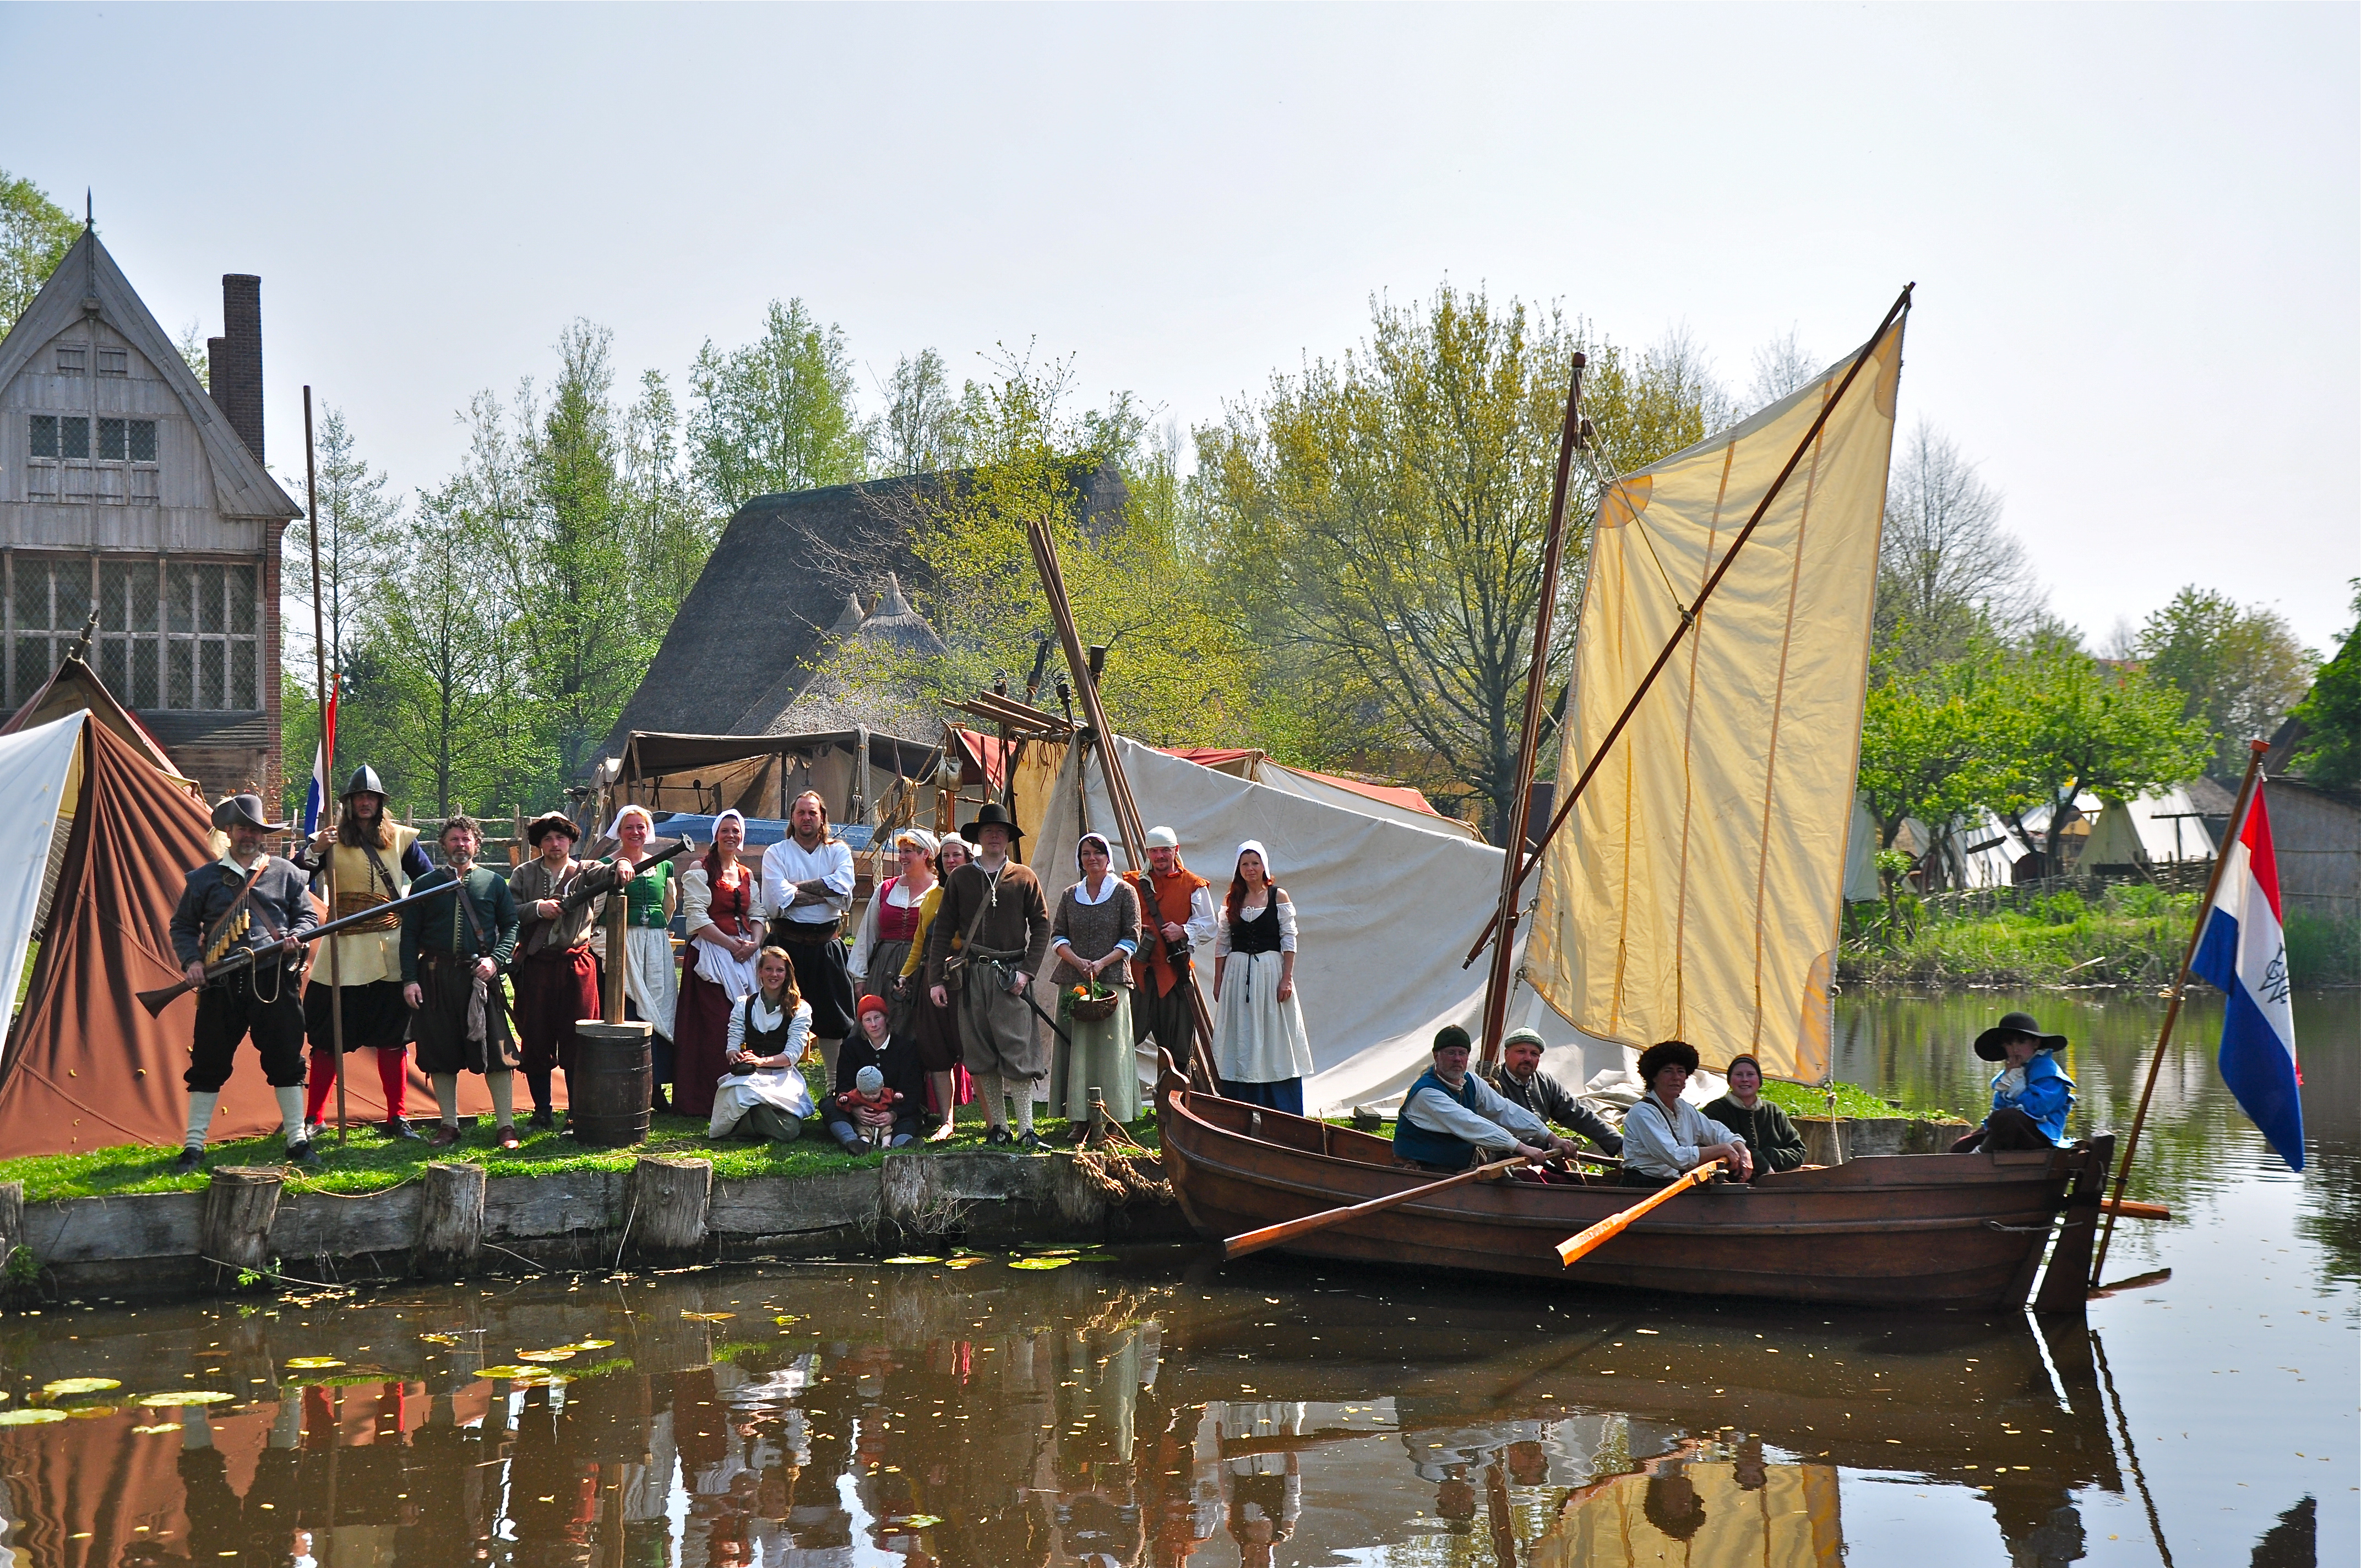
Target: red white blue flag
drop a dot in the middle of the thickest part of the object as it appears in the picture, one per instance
(315, 798)
(2244, 952)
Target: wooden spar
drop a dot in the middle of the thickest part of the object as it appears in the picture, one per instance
(1288, 1230)
(1697, 607)
(327, 772)
(1500, 981)
(1127, 811)
(1581, 1245)
(2246, 787)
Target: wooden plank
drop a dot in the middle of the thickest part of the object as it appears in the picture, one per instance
(761, 1206)
(317, 1224)
(83, 1230)
(528, 1206)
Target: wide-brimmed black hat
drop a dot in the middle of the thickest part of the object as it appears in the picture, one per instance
(1664, 1054)
(364, 782)
(993, 815)
(245, 808)
(549, 822)
(1993, 1043)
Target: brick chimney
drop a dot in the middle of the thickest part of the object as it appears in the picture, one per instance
(235, 358)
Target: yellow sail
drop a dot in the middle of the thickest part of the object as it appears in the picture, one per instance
(1695, 892)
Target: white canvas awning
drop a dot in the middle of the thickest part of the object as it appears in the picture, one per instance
(37, 790)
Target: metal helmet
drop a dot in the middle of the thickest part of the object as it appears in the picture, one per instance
(365, 782)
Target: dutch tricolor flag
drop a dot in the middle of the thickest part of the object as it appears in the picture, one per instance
(315, 798)
(2245, 953)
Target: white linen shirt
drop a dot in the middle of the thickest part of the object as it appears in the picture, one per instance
(786, 863)
(1495, 1123)
(1285, 928)
(1668, 1147)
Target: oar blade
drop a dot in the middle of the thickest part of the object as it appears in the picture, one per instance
(1581, 1245)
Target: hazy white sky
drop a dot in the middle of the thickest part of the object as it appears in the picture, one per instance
(2136, 231)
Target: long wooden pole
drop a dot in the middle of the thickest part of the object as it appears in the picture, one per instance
(2246, 786)
(1127, 810)
(1584, 1243)
(1500, 981)
(327, 767)
(1697, 607)
(1288, 1230)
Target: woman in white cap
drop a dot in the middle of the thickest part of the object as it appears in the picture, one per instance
(1093, 938)
(1260, 1046)
(881, 945)
(721, 907)
(936, 1030)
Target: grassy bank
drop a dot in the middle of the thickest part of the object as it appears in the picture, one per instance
(2131, 935)
(371, 1162)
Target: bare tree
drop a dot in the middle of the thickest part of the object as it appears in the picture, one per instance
(1780, 366)
(919, 431)
(1946, 569)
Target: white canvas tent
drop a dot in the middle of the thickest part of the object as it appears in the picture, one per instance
(1387, 908)
(2148, 831)
(38, 782)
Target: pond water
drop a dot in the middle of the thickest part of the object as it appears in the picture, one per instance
(1152, 1408)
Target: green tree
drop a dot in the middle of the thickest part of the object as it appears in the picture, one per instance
(1933, 748)
(356, 518)
(1378, 522)
(35, 235)
(2081, 724)
(776, 415)
(671, 533)
(921, 430)
(2238, 669)
(2330, 713)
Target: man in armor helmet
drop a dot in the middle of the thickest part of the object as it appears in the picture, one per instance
(250, 901)
(369, 859)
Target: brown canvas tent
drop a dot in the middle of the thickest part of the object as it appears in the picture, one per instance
(85, 1067)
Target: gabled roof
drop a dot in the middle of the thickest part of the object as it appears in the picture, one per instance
(74, 685)
(242, 486)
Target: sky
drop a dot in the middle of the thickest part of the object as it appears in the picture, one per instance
(2136, 231)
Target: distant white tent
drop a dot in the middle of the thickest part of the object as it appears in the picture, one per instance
(2155, 830)
(1388, 906)
(1862, 883)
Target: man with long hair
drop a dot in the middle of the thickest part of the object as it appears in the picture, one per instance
(369, 859)
(452, 954)
(807, 886)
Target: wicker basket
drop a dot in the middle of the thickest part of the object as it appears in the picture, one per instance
(1095, 1008)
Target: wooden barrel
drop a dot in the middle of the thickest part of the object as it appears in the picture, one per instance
(608, 1091)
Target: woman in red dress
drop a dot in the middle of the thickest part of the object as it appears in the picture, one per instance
(721, 898)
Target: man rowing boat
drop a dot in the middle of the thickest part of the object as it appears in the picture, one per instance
(1450, 1120)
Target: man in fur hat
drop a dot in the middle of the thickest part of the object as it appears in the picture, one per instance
(247, 901)
(369, 859)
(556, 981)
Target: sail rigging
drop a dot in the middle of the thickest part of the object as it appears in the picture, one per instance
(1695, 891)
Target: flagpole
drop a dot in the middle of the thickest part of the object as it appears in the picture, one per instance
(327, 768)
(2255, 750)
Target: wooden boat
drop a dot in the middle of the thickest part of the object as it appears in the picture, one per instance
(1930, 1232)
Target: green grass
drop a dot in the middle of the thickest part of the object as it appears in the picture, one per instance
(2131, 935)
(370, 1162)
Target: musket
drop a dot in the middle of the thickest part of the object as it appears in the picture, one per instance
(158, 1000)
(577, 896)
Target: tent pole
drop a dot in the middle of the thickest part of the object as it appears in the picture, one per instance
(1697, 607)
(327, 771)
(1500, 981)
(1127, 810)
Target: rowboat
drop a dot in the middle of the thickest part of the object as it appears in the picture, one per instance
(1933, 1232)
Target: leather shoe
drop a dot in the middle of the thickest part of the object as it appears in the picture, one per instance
(445, 1136)
(999, 1136)
(300, 1153)
(191, 1161)
(400, 1128)
(542, 1117)
(1030, 1140)
(506, 1137)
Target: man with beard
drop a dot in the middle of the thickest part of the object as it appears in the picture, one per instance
(369, 859)
(989, 938)
(249, 901)
(1175, 901)
(807, 885)
(451, 953)
(1520, 1080)
(556, 980)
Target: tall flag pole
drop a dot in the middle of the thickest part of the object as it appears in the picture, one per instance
(325, 764)
(2236, 945)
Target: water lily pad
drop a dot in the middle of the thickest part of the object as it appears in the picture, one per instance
(963, 1262)
(913, 1257)
(706, 1317)
(1039, 1262)
(79, 1386)
(311, 1363)
(440, 1339)
(788, 1318)
(90, 1412)
(921, 1522)
(591, 1345)
(510, 1373)
(563, 1353)
(171, 1398)
(32, 1418)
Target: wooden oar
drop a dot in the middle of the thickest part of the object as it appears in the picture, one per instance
(1608, 1229)
(2125, 1208)
(1275, 1235)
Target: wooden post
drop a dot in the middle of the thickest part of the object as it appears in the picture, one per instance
(618, 918)
(1499, 980)
(329, 808)
(670, 1199)
(450, 1222)
(239, 1206)
(12, 1219)
(2246, 787)
(2062, 1287)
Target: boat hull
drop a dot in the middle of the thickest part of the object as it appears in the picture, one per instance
(1934, 1231)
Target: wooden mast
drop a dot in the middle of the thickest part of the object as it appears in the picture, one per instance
(327, 772)
(1502, 978)
(1128, 825)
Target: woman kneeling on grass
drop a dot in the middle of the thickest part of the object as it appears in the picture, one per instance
(762, 1094)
